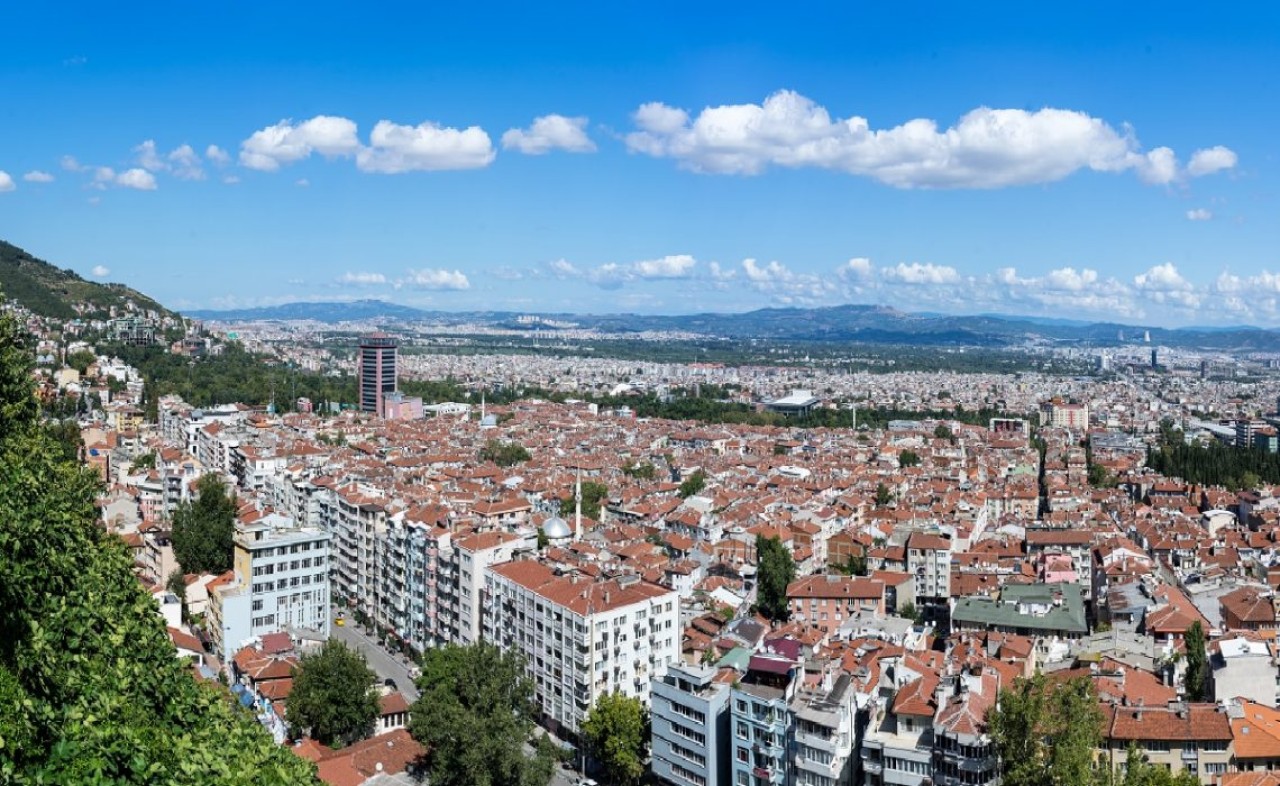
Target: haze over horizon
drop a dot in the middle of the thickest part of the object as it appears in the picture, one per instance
(1111, 166)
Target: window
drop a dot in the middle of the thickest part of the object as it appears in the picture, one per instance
(257, 604)
(743, 755)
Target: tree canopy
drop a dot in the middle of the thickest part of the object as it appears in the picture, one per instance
(593, 496)
(504, 454)
(91, 690)
(775, 570)
(334, 695)
(1197, 663)
(475, 713)
(1047, 732)
(693, 484)
(617, 734)
(204, 527)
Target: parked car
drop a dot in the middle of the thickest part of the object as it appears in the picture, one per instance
(390, 683)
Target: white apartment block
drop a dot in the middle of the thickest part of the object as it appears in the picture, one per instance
(280, 583)
(582, 638)
(929, 562)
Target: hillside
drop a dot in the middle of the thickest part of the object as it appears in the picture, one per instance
(53, 292)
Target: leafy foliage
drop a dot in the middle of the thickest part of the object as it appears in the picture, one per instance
(775, 570)
(203, 528)
(642, 471)
(1213, 464)
(593, 495)
(81, 359)
(616, 732)
(883, 495)
(504, 454)
(474, 715)
(91, 690)
(1047, 732)
(1140, 772)
(334, 695)
(908, 458)
(1197, 663)
(693, 484)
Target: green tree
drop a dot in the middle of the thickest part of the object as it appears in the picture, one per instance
(145, 461)
(943, 431)
(177, 584)
(883, 495)
(1047, 732)
(475, 713)
(203, 529)
(910, 612)
(72, 709)
(1138, 771)
(693, 484)
(908, 458)
(334, 695)
(593, 496)
(504, 454)
(775, 569)
(81, 359)
(643, 471)
(1197, 662)
(616, 731)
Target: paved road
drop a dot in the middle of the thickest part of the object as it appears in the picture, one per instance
(382, 662)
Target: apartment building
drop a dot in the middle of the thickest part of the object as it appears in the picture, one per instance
(827, 600)
(824, 733)
(689, 712)
(929, 561)
(279, 582)
(1192, 738)
(760, 715)
(582, 637)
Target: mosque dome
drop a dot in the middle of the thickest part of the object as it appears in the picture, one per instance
(556, 528)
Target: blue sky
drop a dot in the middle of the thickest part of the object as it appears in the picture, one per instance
(1116, 164)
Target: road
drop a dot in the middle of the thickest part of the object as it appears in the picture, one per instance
(383, 663)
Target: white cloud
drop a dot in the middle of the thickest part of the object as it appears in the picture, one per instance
(148, 158)
(284, 143)
(1070, 280)
(6, 182)
(986, 148)
(70, 164)
(550, 132)
(100, 271)
(856, 268)
(362, 279)
(103, 176)
(563, 268)
(1164, 284)
(1210, 160)
(721, 274)
(185, 163)
(217, 155)
(139, 179)
(435, 279)
(426, 147)
(302, 182)
(1199, 214)
(785, 285)
(37, 176)
(674, 266)
(917, 273)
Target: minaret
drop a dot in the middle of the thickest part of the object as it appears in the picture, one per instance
(482, 406)
(577, 506)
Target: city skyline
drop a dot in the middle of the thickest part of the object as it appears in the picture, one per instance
(1106, 167)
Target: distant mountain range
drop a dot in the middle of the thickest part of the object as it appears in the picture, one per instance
(53, 292)
(848, 323)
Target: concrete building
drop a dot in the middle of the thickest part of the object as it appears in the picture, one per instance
(1193, 738)
(582, 637)
(376, 371)
(689, 711)
(1243, 668)
(929, 561)
(760, 715)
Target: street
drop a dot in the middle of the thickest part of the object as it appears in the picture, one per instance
(383, 663)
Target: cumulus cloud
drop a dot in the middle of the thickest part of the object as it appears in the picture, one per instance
(149, 158)
(917, 273)
(550, 132)
(859, 268)
(217, 155)
(6, 182)
(563, 268)
(284, 143)
(674, 266)
(721, 274)
(986, 148)
(37, 176)
(429, 278)
(185, 163)
(1164, 284)
(1210, 160)
(139, 179)
(100, 271)
(362, 279)
(785, 285)
(426, 147)
(1199, 214)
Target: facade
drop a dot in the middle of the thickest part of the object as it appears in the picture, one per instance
(1192, 738)
(376, 371)
(280, 583)
(689, 711)
(581, 637)
(760, 717)
(824, 734)
(929, 561)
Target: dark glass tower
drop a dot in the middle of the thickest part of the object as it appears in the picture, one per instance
(376, 371)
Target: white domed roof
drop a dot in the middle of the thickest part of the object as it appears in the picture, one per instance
(556, 528)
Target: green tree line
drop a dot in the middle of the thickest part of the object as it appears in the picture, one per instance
(1214, 464)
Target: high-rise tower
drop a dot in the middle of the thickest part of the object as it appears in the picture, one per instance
(376, 371)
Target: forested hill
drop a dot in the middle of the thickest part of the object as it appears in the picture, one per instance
(53, 292)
